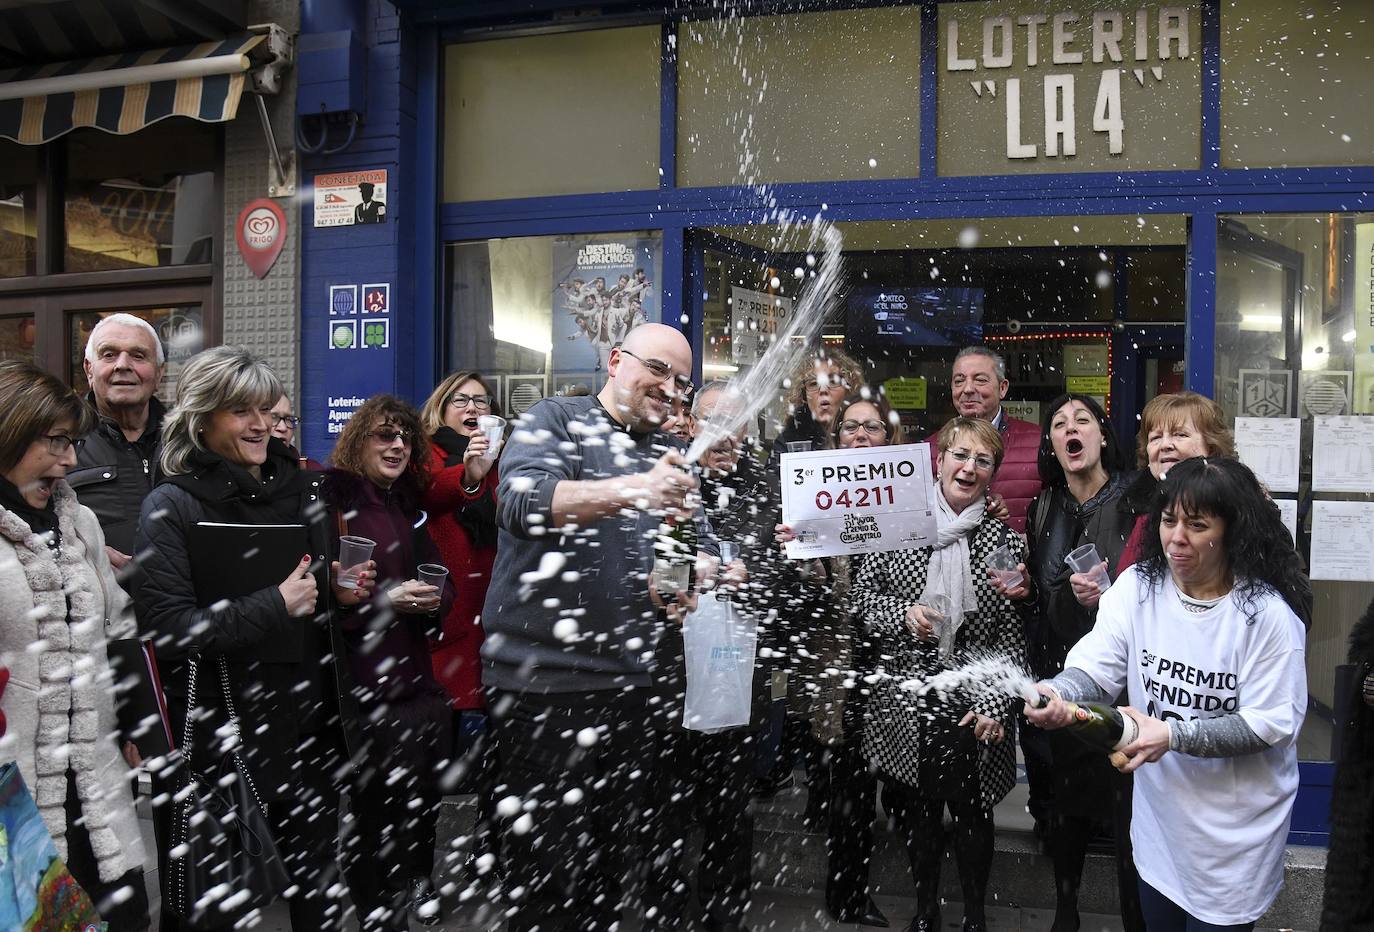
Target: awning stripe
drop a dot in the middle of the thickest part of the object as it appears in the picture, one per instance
(122, 109)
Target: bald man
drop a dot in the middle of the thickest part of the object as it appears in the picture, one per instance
(571, 624)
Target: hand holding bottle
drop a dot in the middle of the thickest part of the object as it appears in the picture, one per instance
(1150, 744)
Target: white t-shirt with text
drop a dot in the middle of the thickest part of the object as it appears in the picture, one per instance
(1208, 833)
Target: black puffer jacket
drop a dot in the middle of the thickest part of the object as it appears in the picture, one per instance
(285, 672)
(1349, 904)
(113, 475)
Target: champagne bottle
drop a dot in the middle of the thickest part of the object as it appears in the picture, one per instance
(675, 557)
(1104, 727)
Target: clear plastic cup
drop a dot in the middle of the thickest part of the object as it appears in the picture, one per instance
(494, 427)
(799, 446)
(1088, 561)
(354, 552)
(1003, 562)
(939, 605)
(431, 574)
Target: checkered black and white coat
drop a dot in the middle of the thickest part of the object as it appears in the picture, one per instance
(905, 728)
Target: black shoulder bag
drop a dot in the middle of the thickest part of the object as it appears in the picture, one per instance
(223, 862)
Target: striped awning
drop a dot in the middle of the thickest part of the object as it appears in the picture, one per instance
(126, 92)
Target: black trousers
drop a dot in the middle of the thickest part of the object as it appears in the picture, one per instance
(124, 912)
(921, 823)
(1038, 759)
(577, 766)
(849, 839)
(706, 780)
(1069, 835)
(472, 767)
(393, 802)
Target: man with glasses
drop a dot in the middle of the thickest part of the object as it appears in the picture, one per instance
(118, 464)
(284, 424)
(978, 384)
(571, 622)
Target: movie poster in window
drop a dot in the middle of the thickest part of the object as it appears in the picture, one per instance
(603, 287)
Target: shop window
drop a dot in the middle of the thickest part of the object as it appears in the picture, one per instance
(1046, 292)
(1294, 83)
(813, 97)
(142, 200)
(538, 315)
(1026, 92)
(1295, 360)
(18, 213)
(179, 328)
(17, 334)
(572, 113)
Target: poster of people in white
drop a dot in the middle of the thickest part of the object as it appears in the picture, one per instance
(603, 287)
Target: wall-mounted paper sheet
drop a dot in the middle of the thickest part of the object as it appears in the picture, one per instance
(1342, 541)
(1272, 447)
(1288, 511)
(1343, 454)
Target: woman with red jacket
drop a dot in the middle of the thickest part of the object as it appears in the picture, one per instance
(461, 501)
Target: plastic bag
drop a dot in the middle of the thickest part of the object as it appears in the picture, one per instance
(719, 643)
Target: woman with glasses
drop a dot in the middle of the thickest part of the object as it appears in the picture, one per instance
(374, 490)
(284, 663)
(818, 386)
(61, 605)
(284, 424)
(461, 501)
(945, 748)
(1080, 470)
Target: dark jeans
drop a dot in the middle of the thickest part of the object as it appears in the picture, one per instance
(704, 779)
(849, 839)
(1164, 915)
(579, 765)
(130, 915)
(394, 807)
(921, 823)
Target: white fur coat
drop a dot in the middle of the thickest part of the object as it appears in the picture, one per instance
(59, 703)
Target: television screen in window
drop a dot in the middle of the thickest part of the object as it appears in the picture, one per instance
(887, 318)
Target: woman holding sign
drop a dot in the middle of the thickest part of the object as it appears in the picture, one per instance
(1209, 650)
(947, 747)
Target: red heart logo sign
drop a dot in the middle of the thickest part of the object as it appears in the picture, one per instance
(261, 232)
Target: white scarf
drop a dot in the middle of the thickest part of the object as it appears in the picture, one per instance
(950, 573)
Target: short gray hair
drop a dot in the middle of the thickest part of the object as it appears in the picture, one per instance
(126, 320)
(998, 362)
(715, 385)
(218, 379)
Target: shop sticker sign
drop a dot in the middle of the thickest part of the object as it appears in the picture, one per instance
(906, 394)
(364, 324)
(864, 500)
(343, 199)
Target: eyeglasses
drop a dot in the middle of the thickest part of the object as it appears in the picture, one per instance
(985, 463)
(290, 420)
(61, 443)
(814, 385)
(876, 428)
(661, 371)
(480, 402)
(388, 436)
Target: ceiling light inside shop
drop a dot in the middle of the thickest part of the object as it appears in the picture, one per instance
(1348, 336)
(1270, 323)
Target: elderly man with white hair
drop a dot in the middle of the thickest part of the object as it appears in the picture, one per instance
(117, 465)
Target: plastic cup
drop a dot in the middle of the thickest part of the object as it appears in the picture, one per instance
(431, 574)
(494, 427)
(1088, 561)
(1003, 565)
(728, 552)
(799, 446)
(939, 605)
(354, 552)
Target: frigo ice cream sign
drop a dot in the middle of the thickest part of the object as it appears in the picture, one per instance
(1091, 87)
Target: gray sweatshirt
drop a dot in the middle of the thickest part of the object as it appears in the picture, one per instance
(569, 611)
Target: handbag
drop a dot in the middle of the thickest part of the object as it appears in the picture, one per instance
(223, 862)
(36, 889)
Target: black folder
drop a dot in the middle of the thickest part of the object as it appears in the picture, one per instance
(140, 705)
(232, 560)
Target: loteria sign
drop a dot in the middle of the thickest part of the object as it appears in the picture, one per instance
(1086, 87)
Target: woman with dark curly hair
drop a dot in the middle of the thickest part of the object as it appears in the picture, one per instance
(374, 491)
(1203, 634)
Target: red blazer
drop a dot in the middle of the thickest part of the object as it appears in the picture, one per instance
(456, 658)
(1018, 479)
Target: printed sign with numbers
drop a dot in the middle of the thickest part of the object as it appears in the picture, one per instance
(864, 500)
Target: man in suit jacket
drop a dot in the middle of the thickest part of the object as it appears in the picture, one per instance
(977, 386)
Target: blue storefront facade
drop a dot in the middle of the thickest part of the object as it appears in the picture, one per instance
(1145, 199)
